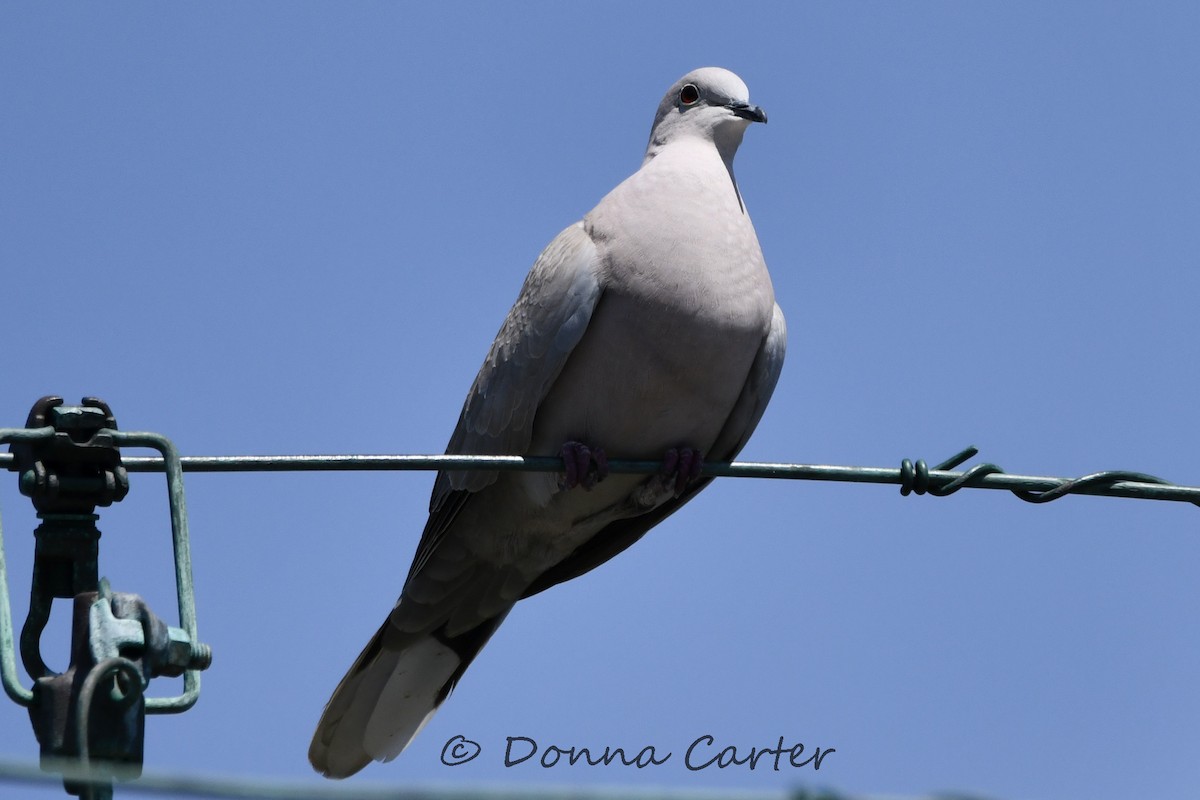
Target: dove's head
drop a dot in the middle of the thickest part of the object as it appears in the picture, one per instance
(710, 103)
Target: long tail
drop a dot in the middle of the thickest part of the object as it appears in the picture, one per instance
(391, 692)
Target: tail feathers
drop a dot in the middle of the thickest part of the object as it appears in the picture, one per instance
(389, 695)
(409, 697)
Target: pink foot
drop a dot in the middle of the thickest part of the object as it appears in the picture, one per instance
(682, 464)
(584, 466)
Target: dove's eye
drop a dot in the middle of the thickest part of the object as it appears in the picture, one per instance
(689, 94)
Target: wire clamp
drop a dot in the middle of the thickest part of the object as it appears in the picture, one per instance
(92, 716)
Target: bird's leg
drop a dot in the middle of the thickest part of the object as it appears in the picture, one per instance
(584, 466)
(681, 466)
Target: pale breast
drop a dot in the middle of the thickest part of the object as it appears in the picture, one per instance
(686, 303)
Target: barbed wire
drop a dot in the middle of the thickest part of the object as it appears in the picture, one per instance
(237, 788)
(912, 477)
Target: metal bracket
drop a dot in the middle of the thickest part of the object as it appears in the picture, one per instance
(69, 463)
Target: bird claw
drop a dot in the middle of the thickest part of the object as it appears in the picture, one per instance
(681, 466)
(583, 466)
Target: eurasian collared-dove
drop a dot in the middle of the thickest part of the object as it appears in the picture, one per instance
(649, 327)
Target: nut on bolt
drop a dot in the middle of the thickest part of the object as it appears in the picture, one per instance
(182, 654)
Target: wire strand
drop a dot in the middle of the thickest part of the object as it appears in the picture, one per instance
(912, 477)
(238, 788)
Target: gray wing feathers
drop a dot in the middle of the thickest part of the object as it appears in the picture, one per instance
(752, 402)
(455, 601)
(547, 321)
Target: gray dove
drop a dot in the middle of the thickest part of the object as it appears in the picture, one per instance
(648, 330)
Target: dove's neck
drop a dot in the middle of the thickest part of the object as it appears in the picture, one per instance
(726, 146)
(726, 140)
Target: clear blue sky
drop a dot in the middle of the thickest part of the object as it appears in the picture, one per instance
(295, 228)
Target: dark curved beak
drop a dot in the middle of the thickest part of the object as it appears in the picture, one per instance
(747, 111)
